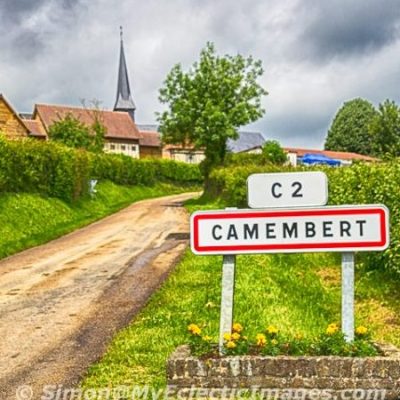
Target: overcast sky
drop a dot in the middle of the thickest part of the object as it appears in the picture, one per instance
(316, 53)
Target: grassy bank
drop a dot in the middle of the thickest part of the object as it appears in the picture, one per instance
(299, 293)
(28, 220)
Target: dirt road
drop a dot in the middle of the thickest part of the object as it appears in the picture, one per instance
(61, 303)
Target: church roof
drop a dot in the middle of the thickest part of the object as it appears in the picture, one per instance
(124, 101)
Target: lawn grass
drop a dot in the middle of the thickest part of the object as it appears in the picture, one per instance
(299, 293)
(28, 220)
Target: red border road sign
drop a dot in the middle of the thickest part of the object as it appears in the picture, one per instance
(340, 229)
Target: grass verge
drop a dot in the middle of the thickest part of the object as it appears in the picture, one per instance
(28, 220)
(299, 293)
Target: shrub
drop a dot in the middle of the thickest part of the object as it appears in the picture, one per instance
(357, 184)
(129, 171)
(46, 168)
(55, 170)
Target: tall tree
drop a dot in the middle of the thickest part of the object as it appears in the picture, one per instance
(208, 103)
(385, 130)
(349, 129)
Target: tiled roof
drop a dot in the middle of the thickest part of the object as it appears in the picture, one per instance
(338, 155)
(245, 141)
(150, 139)
(35, 128)
(119, 124)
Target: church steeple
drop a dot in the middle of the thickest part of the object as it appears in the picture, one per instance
(124, 101)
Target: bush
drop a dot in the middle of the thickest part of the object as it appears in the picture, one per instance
(125, 170)
(46, 168)
(51, 169)
(357, 184)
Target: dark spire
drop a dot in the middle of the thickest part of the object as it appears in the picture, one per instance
(124, 101)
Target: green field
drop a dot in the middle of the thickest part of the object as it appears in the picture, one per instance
(298, 293)
(27, 220)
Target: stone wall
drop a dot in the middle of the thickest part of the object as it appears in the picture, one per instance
(283, 372)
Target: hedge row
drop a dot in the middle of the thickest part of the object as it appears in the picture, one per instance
(126, 170)
(358, 184)
(58, 171)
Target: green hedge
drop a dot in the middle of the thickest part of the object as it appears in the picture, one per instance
(47, 168)
(54, 170)
(126, 170)
(357, 184)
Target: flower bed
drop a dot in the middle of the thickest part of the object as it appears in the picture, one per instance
(272, 361)
(271, 342)
(330, 375)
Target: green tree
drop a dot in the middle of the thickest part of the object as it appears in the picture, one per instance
(71, 132)
(207, 104)
(273, 152)
(385, 130)
(349, 130)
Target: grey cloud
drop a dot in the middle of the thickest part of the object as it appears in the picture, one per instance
(344, 28)
(27, 25)
(316, 54)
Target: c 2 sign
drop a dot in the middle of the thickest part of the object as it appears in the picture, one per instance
(292, 189)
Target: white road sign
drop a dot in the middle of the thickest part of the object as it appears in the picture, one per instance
(287, 189)
(344, 229)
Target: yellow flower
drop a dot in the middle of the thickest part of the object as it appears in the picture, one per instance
(194, 329)
(227, 336)
(210, 304)
(237, 327)
(235, 336)
(299, 336)
(272, 330)
(261, 339)
(332, 329)
(361, 330)
(274, 342)
(231, 345)
(207, 338)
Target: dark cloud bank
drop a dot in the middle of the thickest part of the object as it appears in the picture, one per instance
(316, 54)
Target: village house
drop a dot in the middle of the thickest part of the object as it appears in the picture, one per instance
(295, 155)
(11, 124)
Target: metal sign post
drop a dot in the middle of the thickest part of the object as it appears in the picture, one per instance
(348, 296)
(227, 295)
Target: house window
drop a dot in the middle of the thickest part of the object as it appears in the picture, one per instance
(189, 158)
(112, 146)
(133, 148)
(123, 147)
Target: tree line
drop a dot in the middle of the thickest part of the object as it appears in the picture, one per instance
(361, 128)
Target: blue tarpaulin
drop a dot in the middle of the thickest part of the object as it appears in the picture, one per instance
(318, 159)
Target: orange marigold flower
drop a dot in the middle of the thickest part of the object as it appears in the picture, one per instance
(261, 339)
(235, 336)
(236, 327)
(194, 329)
(332, 329)
(227, 336)
(361, 330)
(272, 330)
